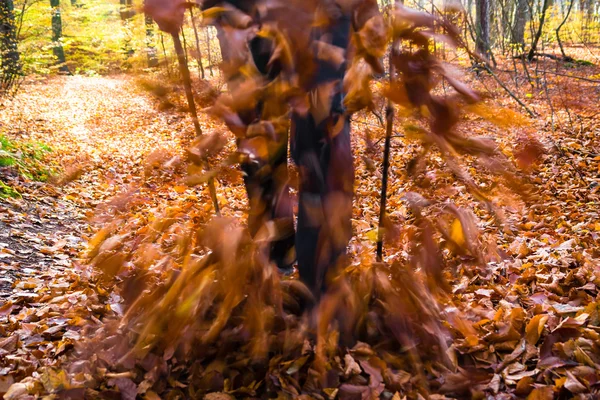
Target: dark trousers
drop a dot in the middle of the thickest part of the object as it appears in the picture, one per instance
(322, 152)
(324, 159)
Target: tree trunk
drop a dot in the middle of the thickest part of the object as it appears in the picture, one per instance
(504, 23)
(126, 10)
(199, 54)
(167, 64)
(185, 50)
(10, 67)
(57, 48)
(187, 81)
(518, 31)
(562, 50)
(150, 45)
(538, 34)
(482, 25)
(207, 31)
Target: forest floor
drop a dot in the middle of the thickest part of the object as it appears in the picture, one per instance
(120, 154)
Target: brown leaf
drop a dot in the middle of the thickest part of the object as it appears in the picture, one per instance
(535, 327)
(16, 391)
(541, 393)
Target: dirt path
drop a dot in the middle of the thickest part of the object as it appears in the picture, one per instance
(100, 130)
(107, 126)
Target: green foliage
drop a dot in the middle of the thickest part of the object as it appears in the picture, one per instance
(95, 39)
(26, 158)
(7, 191)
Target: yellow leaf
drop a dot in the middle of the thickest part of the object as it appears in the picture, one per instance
(526, 265)
(560, 382)
(456, 234)
(541, 393)
(55, 380)
(372, 235)
(180, 189)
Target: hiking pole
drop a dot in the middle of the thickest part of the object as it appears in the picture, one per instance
(389, 116)
(187, 83)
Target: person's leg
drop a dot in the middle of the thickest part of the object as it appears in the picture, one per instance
(264, 163)
(267, 185)
(324, 158)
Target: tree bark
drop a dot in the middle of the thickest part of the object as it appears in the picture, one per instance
(187, 81)
(11, 66)
(518, 31)
(562, 50)
(57, 48)
(538, 34)
(150, 44)
(482, 25)
(208, 50)
(167, 64)
(199, 54)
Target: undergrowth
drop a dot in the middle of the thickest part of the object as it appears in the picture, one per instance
(24, 159)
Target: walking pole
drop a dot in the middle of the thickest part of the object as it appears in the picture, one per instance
(389, 116)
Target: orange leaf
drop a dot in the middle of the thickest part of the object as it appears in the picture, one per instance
(534, 328)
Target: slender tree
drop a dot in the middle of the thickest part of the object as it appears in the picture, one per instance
(10, 67)
(521, 16)
(562, 50)
(57, 48)
(482, 25)
(187, 83)
(127, 12)
(538, 34)
(150, 44)
(167, 63)
(207, 32)
(187, 80)
(199, 51)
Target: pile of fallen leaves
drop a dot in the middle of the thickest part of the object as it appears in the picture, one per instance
(187, 308)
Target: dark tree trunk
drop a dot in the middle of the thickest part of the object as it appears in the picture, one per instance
(150, 44)
(521, 14)
(10, 67)
(187, 81)
(482, 25)
(538, 34)
(57, 48)
(126, 10)
(562, 50)
(185, 50)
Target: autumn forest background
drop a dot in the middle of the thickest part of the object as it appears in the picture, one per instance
(126, 269)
